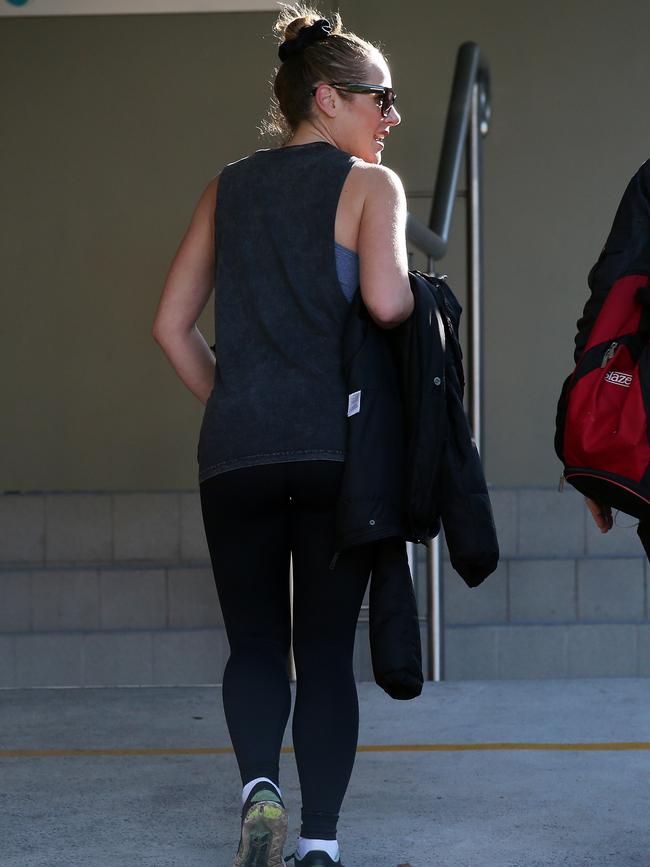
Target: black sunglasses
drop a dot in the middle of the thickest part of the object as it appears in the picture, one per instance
(388, 95)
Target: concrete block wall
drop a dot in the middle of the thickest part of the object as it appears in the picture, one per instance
(116, 589)
(107, 589)
(111, 589)
(565, 601)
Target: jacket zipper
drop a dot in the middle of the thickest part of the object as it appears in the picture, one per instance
(609, 353)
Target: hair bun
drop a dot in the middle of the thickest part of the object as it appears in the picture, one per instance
(307, 35)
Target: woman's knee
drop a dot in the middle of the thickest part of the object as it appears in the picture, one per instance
(324, 660)
(258, 647)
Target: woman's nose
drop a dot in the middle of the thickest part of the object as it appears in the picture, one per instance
(393, 117)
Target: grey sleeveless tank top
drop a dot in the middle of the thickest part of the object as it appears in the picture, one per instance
(279, 393)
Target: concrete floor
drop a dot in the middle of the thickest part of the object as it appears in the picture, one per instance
(492, 806)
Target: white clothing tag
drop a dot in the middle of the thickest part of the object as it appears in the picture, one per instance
(354, 403)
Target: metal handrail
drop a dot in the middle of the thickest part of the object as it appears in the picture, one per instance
(471, 72)
(471, 75)
(468, 120)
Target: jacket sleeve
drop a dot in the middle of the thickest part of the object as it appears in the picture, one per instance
(395, 645)
(627, 248)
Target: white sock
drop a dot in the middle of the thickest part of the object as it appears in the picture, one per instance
(305, 844)
(248, 788)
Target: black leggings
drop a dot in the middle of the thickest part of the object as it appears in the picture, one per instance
(254, 517)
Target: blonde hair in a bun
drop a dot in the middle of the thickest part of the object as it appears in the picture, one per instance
(342, 56)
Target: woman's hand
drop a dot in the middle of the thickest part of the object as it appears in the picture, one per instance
(602, 515)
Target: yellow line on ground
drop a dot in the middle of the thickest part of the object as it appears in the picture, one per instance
(426, 748)
(364, 748)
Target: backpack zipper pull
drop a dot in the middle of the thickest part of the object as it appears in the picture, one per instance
(561, 485)
(609, 353)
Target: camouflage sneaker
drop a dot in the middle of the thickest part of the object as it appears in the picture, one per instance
(263, 829)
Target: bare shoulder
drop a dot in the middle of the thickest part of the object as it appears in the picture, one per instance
(204, 213)
(378, 179)
(209, 196)
(373, 197)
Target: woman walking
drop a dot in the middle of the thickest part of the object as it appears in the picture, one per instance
(285, 236)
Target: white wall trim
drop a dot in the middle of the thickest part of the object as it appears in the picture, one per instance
(131, 7)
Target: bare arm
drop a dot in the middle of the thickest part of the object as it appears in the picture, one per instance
(186, 291)
(383, 259)
(602, 515)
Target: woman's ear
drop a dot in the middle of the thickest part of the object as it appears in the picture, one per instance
(326, 98)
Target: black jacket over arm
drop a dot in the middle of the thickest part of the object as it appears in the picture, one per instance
(410, 462)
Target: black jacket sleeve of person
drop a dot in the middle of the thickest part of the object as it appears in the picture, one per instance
(394, 627)
(626, 249)
(628, 240)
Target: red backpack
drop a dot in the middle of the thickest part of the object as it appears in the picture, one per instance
(602, 420)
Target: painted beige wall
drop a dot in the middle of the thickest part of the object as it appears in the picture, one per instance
(111, 127)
